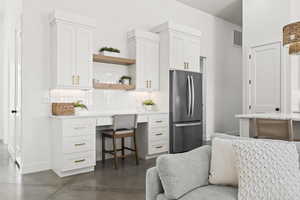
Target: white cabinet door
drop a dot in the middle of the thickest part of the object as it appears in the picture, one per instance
(65, 55)
(192, 53)
(141, 67)
(144, 47)
(152, 60)
(265, 67)
(177, 51)
(84, 60)
(184, 52)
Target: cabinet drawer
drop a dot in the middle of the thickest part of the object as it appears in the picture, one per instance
(77, 127)
(159, 134)
(158, 147)
(142, 118)
(78, 144)
(104, 121)
(159, 120)
(78, 160)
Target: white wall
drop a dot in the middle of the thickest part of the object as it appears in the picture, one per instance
(295, 61)
(114, 19)
(262, 24)
(1, 69)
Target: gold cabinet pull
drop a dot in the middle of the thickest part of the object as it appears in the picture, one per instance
(159, 147)
(147, 84)
(73, 80)
(187, 65)
(79, 161)
(158, 134)
(79, 144)
(78, 80)
(150, 84)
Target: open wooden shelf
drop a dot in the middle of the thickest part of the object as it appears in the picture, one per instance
(112, 60)
(107, 86)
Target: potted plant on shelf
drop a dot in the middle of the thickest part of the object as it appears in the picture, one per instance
(80, 107)
(125, 80)
(148, 104)
(109, 51)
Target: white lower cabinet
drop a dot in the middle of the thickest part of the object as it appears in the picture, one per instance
(153, 137)
(73, 146)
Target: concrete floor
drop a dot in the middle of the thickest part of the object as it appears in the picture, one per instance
(105, 183)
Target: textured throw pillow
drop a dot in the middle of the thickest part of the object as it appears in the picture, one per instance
(267, 170)
(223, 162)
(181, 173)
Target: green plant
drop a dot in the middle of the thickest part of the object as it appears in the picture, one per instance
(79, 104)
(125, 77)
(148, 102)
(109, 49)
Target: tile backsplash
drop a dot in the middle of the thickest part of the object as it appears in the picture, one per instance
(103, 100)
(68, 96)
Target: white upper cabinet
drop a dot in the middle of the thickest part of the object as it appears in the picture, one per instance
(181, 44)
(72, 51)
(144, 47)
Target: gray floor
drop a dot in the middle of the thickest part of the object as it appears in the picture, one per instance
(126, 183)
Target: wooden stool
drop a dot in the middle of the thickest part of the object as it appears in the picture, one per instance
(124, 126)
(274, 129)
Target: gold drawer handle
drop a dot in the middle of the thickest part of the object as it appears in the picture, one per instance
(79, 128)
(159, 147)
(79, 161)
(158, 134)
(80, 144)
(160, 121)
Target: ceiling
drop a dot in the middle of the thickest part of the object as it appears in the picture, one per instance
(230, 10)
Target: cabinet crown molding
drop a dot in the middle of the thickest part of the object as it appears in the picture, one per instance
(60, 15)
(169, 25)
(136, 33)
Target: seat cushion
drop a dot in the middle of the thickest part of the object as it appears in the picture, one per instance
(210, 192)
(181, 173)
(118, 132)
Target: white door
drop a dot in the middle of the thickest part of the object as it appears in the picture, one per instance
(265, 81)
(66, 55)
(18, 97)
(84, 59)
(177, 51)
(192, 53)
(14, 90)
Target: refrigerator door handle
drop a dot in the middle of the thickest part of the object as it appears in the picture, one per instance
(188, 124)
(193, 96)
(189, 96)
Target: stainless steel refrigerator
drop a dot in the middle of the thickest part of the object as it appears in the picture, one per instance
(186, 132)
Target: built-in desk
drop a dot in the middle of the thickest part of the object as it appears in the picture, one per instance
(247, 122)
(74, 139)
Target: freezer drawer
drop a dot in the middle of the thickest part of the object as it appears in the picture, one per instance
(185, 137)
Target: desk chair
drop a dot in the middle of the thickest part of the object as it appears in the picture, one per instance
(274, 129)
(123, 126)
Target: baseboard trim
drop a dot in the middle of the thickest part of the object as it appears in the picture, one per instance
(35, 167)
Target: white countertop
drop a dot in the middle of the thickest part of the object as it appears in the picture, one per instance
(279, 116)
(107, 114)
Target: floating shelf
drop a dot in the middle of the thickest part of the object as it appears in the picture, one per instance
(106, 86)
(113, 60)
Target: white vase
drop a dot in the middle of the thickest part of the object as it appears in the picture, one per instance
(148, 108)
(79, 111)
(109, 53)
